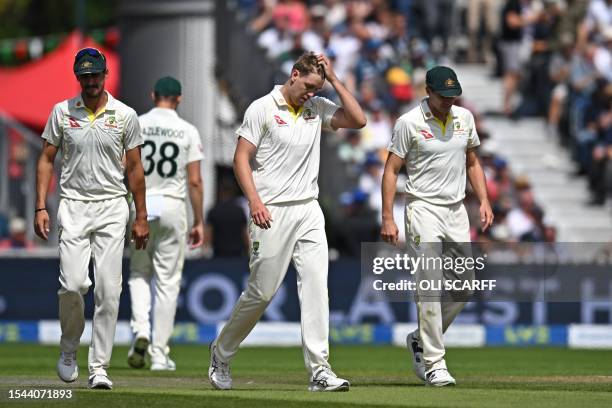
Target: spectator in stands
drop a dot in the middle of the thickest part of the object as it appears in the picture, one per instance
(583, 79)
(358, 223)
(226, 224)
(598, 119)
(277, 39)
(513, 21)
(4, 226)
(559, 74)
(602, 59)
(597, 19)
(438, 23)
(17, 236)
(544, 19)
(480, 51)
(370, 182)
(525, 221)
(377, 133)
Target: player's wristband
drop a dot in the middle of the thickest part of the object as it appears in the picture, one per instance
(40, 209)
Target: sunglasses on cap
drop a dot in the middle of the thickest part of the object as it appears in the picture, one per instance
(93, 52)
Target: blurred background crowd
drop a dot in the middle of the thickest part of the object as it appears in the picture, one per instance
(553, 59)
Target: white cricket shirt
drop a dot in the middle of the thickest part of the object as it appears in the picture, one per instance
(92, 147)
(435, 152)
(286, 162)
(170, 143)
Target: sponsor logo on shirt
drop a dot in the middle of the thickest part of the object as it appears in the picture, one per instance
(279, 121)
(73, 122)
(427, 135)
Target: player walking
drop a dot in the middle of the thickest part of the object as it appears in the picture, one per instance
(93, 130)
(436, 141)
(171, 158)
(280, 136)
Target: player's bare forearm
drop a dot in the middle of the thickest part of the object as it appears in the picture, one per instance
(136, 182)
(389, 231)
(392, 167)
(245, 151)
(478, 181)
(476, 176)
(243, 172)
(44, 170)
(350, 115)
(196, 191)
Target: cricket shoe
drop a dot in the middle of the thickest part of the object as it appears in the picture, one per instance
(219, 372)
(325, 380)
(100, 382)
(138, 352)
(418, 365)
(440, 378)
(163, 364)
(67, 368)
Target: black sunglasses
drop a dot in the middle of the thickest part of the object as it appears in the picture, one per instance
(89, 51)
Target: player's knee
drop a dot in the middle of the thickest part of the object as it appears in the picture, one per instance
(259, 295)
(78, 288)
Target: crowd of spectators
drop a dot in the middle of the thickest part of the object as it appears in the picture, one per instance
(559, 65)
(381, 50)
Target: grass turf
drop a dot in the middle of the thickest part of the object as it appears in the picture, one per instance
(380, 376)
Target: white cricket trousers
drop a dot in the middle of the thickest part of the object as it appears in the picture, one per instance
(163, 260)
(298, 234)
(429, 226)
(91, 230)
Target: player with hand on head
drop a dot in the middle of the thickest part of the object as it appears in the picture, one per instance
(436, 141)
(93, 131)
(277, 165)
(171, 158)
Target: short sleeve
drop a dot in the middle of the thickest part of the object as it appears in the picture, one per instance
(196, 151)
(54, 129)
(400, 141)
(131, 131)
(253, 124)
(473, 139)
(326, 109)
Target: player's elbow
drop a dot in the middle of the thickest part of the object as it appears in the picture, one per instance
(361, 122)
(195, 183)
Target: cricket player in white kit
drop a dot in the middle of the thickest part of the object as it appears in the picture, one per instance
(277, 164)
(436, 141)
(171, 158)
(94, 131)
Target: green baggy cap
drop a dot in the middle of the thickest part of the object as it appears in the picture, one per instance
(167, 86)
(443, 81)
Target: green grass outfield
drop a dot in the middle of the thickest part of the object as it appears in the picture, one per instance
(379, 375)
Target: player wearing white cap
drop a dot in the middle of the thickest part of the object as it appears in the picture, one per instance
(171, 158)
(277, 164)
(436, 141)
(93, 131)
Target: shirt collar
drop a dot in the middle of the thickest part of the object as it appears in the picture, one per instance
(110, 103)
(278, 96)
(165, 111)
(427, 114)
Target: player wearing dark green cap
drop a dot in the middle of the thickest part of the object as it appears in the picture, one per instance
(436, 141)
(172, 153)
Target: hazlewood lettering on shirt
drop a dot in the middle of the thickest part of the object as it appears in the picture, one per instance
(163, 132)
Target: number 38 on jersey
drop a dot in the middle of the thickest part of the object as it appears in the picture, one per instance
(160, 157)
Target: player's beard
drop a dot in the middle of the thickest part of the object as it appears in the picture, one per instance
(93, 91)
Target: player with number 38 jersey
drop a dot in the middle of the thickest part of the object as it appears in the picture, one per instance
(170, 143)
(171, 156)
